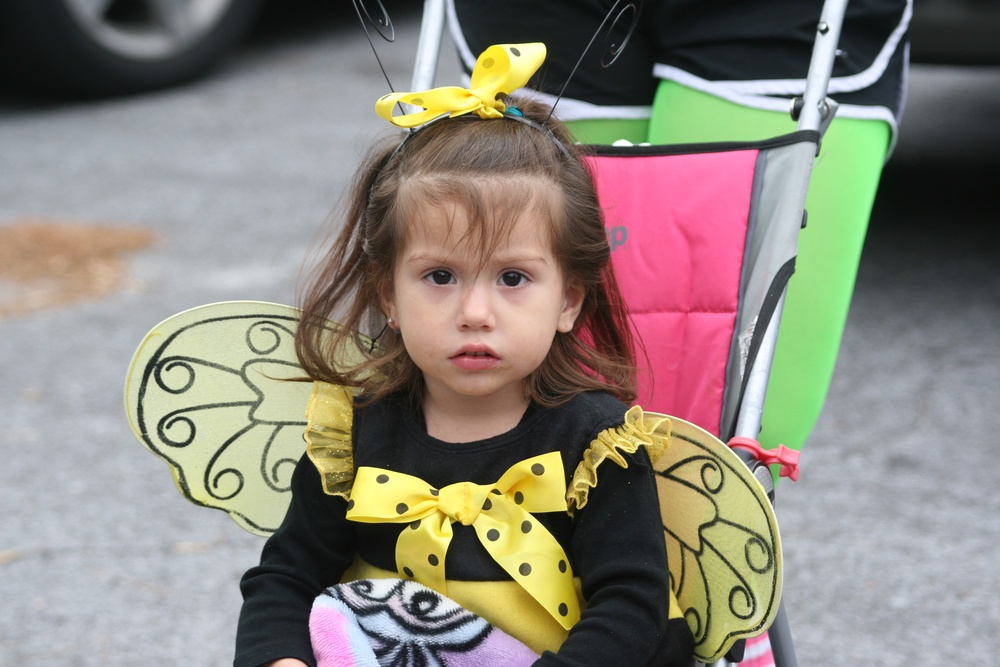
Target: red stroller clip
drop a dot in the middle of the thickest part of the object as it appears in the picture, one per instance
(786, 457)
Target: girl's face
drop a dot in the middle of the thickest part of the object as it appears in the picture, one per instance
(477, 329)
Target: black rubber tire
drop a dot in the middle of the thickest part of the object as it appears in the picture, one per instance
(44, 50)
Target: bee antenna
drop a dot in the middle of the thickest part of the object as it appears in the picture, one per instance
(382, 23)
(610, 50)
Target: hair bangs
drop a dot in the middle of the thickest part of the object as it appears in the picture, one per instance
(479, 212)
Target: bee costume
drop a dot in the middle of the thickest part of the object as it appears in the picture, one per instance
(374, 500)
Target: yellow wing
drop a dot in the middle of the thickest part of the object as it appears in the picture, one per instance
(723, 546)
(209, 392)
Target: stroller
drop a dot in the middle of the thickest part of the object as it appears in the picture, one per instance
(709, 339)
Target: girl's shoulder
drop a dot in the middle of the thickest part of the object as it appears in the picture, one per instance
(591, 410)
(573, 426)
(338, 420)
(329, 436)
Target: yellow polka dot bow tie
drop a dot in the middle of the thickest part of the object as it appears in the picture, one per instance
(500, 70)
(500, 514)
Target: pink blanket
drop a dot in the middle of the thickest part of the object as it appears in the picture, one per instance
(375, 622)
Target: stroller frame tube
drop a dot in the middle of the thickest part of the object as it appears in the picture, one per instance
(425, 63)
(816, 113)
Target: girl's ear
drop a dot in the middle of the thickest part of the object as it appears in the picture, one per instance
(389, 308)
(572, 306)
(388, 304)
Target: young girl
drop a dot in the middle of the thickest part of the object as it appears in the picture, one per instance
(496, 388)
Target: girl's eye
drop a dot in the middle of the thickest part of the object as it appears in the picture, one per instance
(440, 277)
(512, 278)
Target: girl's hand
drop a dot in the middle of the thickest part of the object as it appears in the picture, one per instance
(287, 662)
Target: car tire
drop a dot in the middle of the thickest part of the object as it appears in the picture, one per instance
(53, 48)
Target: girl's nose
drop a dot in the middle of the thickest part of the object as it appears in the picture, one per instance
(476, 311)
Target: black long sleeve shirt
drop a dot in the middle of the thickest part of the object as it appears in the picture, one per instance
(615, 543)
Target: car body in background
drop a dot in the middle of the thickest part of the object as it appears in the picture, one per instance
(100, 48)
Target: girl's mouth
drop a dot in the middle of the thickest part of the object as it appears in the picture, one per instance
(475, 358)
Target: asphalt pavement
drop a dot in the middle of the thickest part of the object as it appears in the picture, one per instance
(891, 534)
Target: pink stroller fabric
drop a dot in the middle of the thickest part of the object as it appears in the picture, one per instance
(678, 261)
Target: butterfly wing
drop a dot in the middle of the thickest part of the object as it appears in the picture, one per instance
(210, 392)
(723, 546)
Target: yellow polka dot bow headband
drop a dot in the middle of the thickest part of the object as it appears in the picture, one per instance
(499, 71)
(500, 513)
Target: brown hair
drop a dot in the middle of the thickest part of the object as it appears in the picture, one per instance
(491, 169)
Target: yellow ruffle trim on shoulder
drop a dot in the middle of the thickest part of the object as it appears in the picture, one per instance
(639, 429)
(330, 416)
